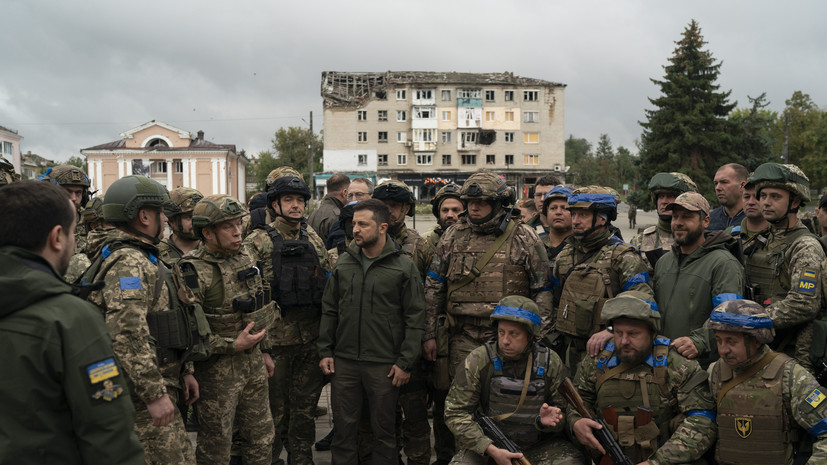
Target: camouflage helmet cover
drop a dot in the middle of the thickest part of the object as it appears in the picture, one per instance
(126, 196)
(215, 209)
(93, 211)
(448, 191)
(183, 200)
(598, 198)
(743, 316)
(68, 175)
(521, 310)
(634, 305)
(788, 177)
(489, 186)
(671, 182)
(280, 172)
(398, 191)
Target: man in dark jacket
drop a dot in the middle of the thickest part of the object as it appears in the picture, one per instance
(63, 399)
(323, 219)
(695, 276)
(373, 313)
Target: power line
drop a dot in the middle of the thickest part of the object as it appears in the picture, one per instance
(217, 120)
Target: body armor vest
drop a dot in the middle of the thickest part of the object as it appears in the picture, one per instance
(655, 238)
(298, 278)
(497, 279)
(641, 386)
(753, 426)
(504, 394)
(586, 287)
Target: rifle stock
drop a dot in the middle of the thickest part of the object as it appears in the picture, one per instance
(604, 435)
(500, 439)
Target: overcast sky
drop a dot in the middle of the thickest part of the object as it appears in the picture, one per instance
(77, 74)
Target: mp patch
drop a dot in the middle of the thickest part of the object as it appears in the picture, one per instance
(816, 398)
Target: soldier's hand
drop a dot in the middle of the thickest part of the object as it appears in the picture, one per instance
(685, 347)
(161, 410)
(400, 376)
(583, 431)
(550, 416)
(429, 349)
(247, 340)
(501, 456)
(327, 366)
(191, 393)
(597, 342)
(268, 364)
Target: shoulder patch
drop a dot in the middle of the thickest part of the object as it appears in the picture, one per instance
(807, 283)
(102, 370)
(650, 230)
(131, 282)
(816, 398)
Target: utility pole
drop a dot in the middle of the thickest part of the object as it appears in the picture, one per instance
(311, 182)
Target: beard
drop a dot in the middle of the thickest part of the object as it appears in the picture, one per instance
(690, 238)
(366, 242)
(635, 358)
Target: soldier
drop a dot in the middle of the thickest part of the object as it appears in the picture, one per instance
(322, 219)
(656, 240)
(267, 215)
(221, 277)
(92, 218)
(490, 383)
(295, 263)
(729, 188)
(753, 223)
(785, 272)
(477, 263)
(400, 200)
(359, 189)
(558, 217)
(61, 400)
(527, 209)
(179, 218)
(593, 266)
(447, 208)
(140, 304)
(656, 401)
(766, 401)
(539, 222)
(75, 181)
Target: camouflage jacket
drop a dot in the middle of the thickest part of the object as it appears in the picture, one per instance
(414, 246)
(131, 275)
(526, 252)
(653, 238)
(688, 391)
(295, 327)
(80, 235)
(169, 252)
(432, 236)
(802, 401)
(464, 398)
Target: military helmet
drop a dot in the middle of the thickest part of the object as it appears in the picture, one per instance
(676, 183)
(448, 191)
(68, 175)
(521, 310)
(634, 305)
(743, 316)
(788, 177)
(598, 198)
(287, 185)
(280, 172)
(556, 193)
(183, 200)
(126, 196)
(487, 185)
(214, 209)
(93, 211)
(7, 174)
(397, 191)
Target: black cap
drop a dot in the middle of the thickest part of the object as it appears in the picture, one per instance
(822, 201)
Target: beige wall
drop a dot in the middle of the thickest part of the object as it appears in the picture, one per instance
(138, 138)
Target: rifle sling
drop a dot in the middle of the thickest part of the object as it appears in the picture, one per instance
(608, 374)
(528, 369)
(484, 259)
(765, 360)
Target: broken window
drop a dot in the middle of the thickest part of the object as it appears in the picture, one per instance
(531, 116)
(424, 112)
(424, 94)
(446, 137)
(382, 136)
(469, 159)
(401, 116)
(509, 95)
(425, 159)
(446, 95)
(469, 137)
(424, 135)
(363, 159)
(531, 95)
(362, 115)
(446, 159)
(382, 159)
(509, 159)
(381, 95)
(383, 115)
(487, 136)
(401, 94)
(509, 137)
(469, 93)
(489, 95)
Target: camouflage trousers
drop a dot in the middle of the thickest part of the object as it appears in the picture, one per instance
(233, 389)
(295, 389)
(163, 444)
(557, 451)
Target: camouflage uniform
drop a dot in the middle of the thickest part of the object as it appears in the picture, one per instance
(490, 384)
(787, 269)
(297, 384)
(674, 388)
(761, 418)
(588, 271)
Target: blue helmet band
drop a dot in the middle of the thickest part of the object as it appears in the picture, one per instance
(735, 319)
(518, 312)
(604, 199)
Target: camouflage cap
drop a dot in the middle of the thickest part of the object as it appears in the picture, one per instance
(396, 190)
(215, 209)
(691, 201)
(521, 310)
(448, 191)
(281, 171)
(634, 305)
(672, 182)
(788, 177)
(488, 185)
(183, 200)
(68, 175)
(743, 316)
(599, 198)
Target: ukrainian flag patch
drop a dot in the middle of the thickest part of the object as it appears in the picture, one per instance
(816, 398)
(131, 282)
(103, 370)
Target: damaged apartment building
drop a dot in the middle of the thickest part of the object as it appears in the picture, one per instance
(430, 128)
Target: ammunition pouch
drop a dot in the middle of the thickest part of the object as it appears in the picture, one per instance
(264, 318)
(441, 377)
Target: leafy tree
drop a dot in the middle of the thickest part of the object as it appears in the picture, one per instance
(264, 163)
(604, 147)
(579, 157)
(290, 145)
(625, 168)
(807, 126)
(577, 149)
(77, 161)
(753, 132)
(688, 130)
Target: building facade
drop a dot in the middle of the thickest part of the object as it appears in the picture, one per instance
(33, 165)
(429, 128)
(171, 156)
(10, 146)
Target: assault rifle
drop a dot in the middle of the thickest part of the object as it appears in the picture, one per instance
(500, 439)
(603, 435)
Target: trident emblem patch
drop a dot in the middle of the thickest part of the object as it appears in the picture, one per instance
(743, 426)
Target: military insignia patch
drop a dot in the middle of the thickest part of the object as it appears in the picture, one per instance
(807, 283)
(103, 370)
(743, 426)
(109, 392)
(131, 282)
(816, 398)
